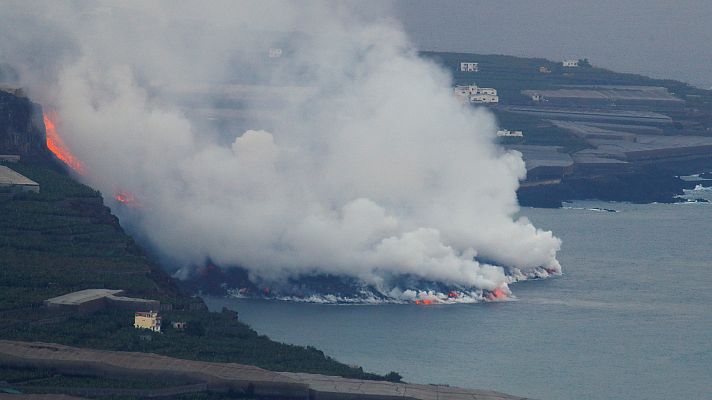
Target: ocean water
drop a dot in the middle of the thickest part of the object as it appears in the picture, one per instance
(630, 318)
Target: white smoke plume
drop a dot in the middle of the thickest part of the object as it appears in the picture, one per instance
(352, 156)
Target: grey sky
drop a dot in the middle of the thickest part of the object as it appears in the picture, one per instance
(666, 39)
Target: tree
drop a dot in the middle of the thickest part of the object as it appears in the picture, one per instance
(195, 328)
(584, 63)
(393, 377)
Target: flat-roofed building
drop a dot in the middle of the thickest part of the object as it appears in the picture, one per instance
(594, 115)
(17, 181)
(147, 320)
(469, 67)
(476, 94)
(92, 300)
(12, 158)
(132, 303)
(544, 162)
(84, 301)
(609, 96)
(571, 63)
(508, 133)
(484, 98)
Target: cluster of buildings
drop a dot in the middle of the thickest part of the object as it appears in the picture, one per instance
(469, 66)
(152, 321)
(625, 127)
(475, 94)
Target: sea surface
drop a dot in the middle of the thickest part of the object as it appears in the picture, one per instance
(630, 318)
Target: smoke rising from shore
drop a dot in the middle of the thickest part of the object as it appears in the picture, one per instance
(367, 167)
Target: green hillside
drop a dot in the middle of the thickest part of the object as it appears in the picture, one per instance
(510, 75)
(64, 239)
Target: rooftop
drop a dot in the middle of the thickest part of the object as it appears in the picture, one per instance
(82, 296)
(607, 92)
(647, 144)
(542, 156)
(9, 177)
(131, 299)
(618, 115)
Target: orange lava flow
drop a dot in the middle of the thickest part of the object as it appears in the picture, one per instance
(498, 293)
(424, 301)
(56, 145)
(126, 198)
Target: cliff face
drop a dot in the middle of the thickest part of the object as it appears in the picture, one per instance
(22, 130)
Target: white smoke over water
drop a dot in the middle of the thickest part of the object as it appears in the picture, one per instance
(351, 157)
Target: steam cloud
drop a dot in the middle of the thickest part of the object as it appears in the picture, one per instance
(363, 164)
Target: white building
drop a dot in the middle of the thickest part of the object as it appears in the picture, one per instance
(474, 89)
(508, 133)
(489, 91)
(275, 52)
(147, 320)
(571, 63)
(476, 94)
(484, 98)
(469, 67)
(179, 325)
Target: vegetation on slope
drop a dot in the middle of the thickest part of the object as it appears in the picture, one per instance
(64, 239)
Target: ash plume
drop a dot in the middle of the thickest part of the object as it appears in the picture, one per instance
(286, 138)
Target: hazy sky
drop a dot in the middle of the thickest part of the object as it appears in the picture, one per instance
(668, 39)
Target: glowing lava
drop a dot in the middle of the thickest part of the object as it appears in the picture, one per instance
(424, 302)
(126, 198)
(56, 145)
(498, 293)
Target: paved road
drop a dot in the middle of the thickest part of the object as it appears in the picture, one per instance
(225, 376)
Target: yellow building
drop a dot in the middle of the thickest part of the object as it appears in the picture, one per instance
(147, 320)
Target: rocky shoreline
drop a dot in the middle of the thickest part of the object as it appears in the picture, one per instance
(640, 187)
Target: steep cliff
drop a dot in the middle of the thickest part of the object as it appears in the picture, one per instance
(22, 130)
